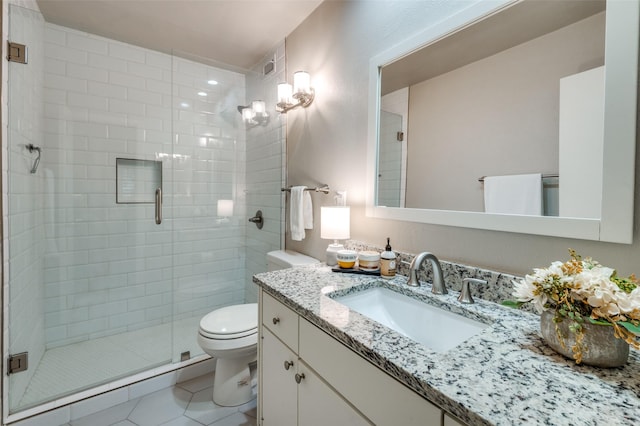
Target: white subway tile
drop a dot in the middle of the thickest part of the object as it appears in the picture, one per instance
(162, 87)
(107, 63)
(54, 34)
(60, 82)
(106, 309)
(157, 59)
(107, 90)
(145, 71)
(87, 271)
(127, 52)
(88, 44)
(126, 107)
(104, 117)
(126, 319)
(95, 130)
(91, 298)
(85, 72)
(124, 79)
(87, 101)
(84, 328)
(143, 96)
(125, 133)
(55, 66)
(71, 316)
(66, 54)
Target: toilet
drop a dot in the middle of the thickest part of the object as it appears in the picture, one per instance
(230, 335)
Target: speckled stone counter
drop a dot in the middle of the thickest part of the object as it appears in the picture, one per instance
(505, 375)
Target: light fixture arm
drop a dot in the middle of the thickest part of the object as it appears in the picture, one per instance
(304, 100)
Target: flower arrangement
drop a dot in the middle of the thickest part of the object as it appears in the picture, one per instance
(584, 290)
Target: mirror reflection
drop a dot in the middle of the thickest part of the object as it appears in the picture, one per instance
(503, 116)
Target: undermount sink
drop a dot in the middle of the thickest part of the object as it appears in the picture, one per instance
(435, 328)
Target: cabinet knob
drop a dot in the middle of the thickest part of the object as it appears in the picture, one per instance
(288, 364)
(276, 320)
(299, 377)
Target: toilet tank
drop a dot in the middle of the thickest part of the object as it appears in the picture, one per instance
(281, 259)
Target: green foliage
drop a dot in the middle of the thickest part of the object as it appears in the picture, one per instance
(512, 303)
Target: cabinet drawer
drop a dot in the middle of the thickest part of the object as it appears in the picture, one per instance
(384, 400)
(280, 320)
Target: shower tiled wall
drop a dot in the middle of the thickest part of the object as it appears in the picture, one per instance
(108, 267)
(265, 169)
(24, 223)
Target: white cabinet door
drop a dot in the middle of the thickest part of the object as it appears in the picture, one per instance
(319, 405)
(279, 389)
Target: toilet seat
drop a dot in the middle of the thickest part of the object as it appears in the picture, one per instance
(231, 322)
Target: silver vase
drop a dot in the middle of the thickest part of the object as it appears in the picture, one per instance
(600, 347)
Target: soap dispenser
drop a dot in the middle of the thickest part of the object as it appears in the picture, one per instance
(388, 262)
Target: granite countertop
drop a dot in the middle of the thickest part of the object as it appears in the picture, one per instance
(505, 375)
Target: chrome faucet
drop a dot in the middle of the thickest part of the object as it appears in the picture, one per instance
(438, 286)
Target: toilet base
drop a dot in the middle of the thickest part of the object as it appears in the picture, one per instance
(232, 382)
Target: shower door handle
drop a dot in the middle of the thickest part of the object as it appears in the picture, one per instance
(158, 206)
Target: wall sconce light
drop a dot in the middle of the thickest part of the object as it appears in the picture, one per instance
(301, 94)
(254, 114)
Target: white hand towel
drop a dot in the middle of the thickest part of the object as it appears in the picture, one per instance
(307, 210)
(296, 212)
(513, 194)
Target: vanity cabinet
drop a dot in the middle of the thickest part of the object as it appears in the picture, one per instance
(294, 395)
(336, 386)
(291, 393)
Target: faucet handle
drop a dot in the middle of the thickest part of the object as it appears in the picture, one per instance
(465, 293)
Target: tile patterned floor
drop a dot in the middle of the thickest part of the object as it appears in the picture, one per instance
(185, 404)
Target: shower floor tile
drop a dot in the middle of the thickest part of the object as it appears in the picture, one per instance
(69, 369)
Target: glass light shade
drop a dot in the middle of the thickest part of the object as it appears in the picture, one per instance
(225, 208)
(285, 93)
(335, 222)
(258, 107)
(248, 114)
(301, 82)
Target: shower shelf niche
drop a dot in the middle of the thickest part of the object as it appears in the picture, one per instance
(137, 180)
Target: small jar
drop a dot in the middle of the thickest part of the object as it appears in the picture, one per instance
(369, 260)
(346, 258)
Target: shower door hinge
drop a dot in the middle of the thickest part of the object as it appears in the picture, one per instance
(18, 362)
(17, 52)
(400, 136)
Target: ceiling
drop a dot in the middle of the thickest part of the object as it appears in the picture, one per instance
(236, 33)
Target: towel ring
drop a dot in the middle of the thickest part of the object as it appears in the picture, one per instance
(31, 147)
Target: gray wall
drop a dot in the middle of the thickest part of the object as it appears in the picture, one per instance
(326, 142)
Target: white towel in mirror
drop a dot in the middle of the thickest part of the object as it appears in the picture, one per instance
(513, 194)
(300, 212)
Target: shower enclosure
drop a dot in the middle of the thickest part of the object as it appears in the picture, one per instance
(118, 242)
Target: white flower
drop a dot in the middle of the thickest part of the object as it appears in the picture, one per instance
(524, 291)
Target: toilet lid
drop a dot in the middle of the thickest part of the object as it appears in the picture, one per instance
(230, 322)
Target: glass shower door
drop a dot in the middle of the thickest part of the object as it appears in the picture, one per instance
(90, 276)
(208, 195)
